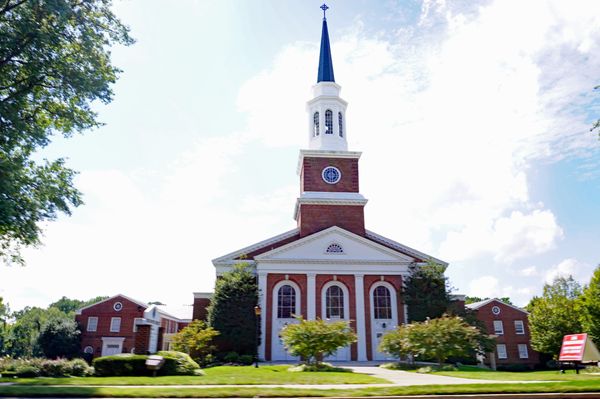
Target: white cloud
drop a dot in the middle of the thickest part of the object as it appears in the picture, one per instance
(484, 287)
(580, 271)
(528, 271)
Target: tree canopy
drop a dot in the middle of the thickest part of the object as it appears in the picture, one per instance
(60, 338)
(555, 314)
(590, 307)
(427, 292)
(54, 63)
(473, 299)
(231, 311)
(196, 340)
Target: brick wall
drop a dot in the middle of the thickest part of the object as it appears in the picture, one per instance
(311, 179)
(314, 218)
(142, 339)
(200, 311)
(104, 311)
(510, 338)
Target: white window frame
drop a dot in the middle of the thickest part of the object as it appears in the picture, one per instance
(95, 324)
(346, 304)
(519, 327)
(498, 327)
(501, 351)
(114, 329)
(135, 320)
(523, 351)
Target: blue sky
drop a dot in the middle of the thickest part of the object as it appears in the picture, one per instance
(473, 119)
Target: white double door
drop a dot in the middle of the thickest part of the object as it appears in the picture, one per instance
(379, 327)
(278, 348)
(112, 345)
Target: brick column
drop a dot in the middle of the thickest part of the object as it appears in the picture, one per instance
(142, 339)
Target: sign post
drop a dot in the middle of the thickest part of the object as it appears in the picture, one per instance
(577, 348)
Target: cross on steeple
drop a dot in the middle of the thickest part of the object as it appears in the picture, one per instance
(324, 8)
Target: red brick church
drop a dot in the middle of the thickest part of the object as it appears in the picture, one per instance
(330, 266)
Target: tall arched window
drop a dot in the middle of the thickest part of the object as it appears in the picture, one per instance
(334, 302)
(286, 302)
(382, 303)
(341, 124)
(328, 122)
(316, 124)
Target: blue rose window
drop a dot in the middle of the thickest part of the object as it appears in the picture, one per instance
(331, 175)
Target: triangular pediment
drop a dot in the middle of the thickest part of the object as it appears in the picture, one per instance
(335, 245)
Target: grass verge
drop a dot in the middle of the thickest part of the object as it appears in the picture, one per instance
(545, 375)
(223, 375)
(151, 392)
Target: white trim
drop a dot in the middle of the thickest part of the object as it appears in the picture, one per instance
(262, 300)
(112, 321)
(142, 304)
(334, 229)
(283, 266)
(231, 257)
(87, 327)
(328, 198)
(203, 295)
(361, 330)
(403, 248)
(477, 305)
(346, 300)
(502, 352)
(275, 291)
(523, 351)
(325, 154)
(498, 327)
(522, 324)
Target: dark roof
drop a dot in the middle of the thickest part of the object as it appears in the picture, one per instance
(325, 62)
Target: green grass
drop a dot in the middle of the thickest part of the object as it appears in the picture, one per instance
(223, 375)
(546, 375)
(152, 392)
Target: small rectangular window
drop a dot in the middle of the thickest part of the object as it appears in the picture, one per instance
(115, 324)
(519, 327)
(498, 327)
(92, 324)
(523, 353)
(501, 350)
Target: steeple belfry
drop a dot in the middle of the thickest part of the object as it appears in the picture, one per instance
(326, 111)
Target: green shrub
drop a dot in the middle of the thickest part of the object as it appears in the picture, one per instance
(177, 363)
(40, 367)
(121, 365)
(246, 360)
(231, 357)
(319, 367)
(80, 368)
(28, 371)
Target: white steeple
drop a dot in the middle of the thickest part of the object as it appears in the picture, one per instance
(326, 111)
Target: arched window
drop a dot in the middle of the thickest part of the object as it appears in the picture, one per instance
(334, 302)
(286, 302)
(341, 124)
(334, 249)
(382, 303)
(316, 124)
(328, 122)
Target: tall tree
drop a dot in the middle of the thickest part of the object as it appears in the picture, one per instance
(590, 307)
(555, 314)
(60, 338)
(231, 311)
(4, 312)
(427, 292)
(54, 62)
(22, 336)
(473, 299)
(68, 305)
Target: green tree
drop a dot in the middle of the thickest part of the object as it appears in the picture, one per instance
(473, 299)
(4, 313)
(427, 292)
(54, 62)
(590, 307)
(69, 306)
(436, 339)
(60, 338)
(313, 340)
(196, 340)
(22, 336)
(231, 311)
(555, 314)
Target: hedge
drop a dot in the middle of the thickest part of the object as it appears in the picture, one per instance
(176, 363)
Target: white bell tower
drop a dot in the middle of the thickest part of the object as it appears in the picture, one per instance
(326, 111)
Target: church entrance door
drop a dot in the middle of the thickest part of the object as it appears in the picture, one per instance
(384, 315)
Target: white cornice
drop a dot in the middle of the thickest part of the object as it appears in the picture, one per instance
(230, 257)
(404, 248)
(325, 154)
(328, 198)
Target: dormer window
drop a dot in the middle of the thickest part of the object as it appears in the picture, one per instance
(334, 249)
(328, 122)
(316, 124)
(341, 124)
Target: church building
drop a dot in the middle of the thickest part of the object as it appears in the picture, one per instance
(330, 266)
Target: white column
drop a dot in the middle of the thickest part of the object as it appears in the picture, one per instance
(262, 301)
(359, 289)
(311, 296)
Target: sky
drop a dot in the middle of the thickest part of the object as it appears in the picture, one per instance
(473, 118)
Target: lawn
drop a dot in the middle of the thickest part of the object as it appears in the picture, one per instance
(154, 392)
(546, 375)
(222, 375)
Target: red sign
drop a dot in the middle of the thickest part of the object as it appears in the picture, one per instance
(573, 347)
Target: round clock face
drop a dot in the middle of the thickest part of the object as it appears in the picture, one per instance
(331, 175)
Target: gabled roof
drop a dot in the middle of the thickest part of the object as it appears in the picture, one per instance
(403, 248)
(140, 303)
(478, 305)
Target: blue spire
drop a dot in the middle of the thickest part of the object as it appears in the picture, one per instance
(325, 63)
